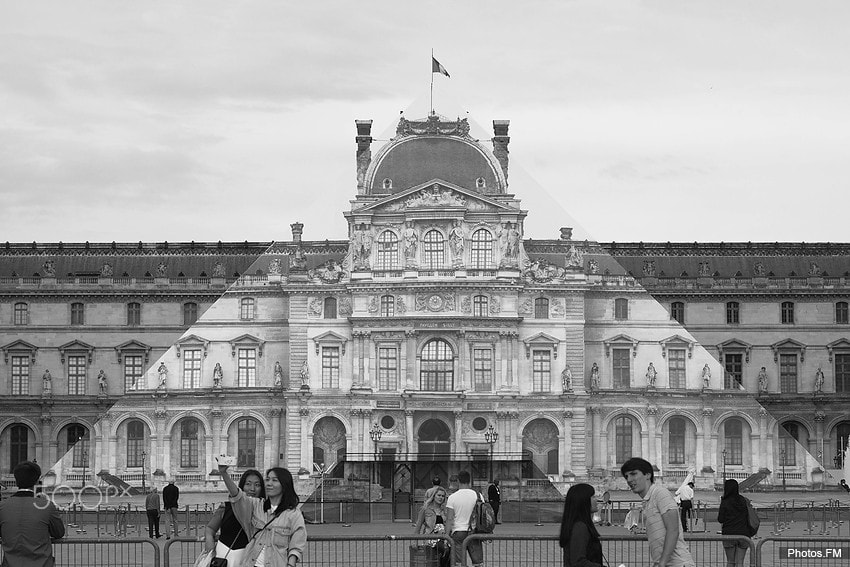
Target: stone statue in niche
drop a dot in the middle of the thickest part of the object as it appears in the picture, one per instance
(218, 375)
(509, 238)
(101, 382)
(362, 247)
(106, 270)
(411, 242)
(46, 383)
(162, 372)
(49, 268)
(819, 381)
(278, 374)
(762, 379)
(456, 243)
(575, 257)
(305, 376)
(651, 375)
(218, 270)
(162, 270)
(594, 378)
(567, 379)
(706, 377)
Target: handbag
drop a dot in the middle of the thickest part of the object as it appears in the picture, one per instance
(222, 561)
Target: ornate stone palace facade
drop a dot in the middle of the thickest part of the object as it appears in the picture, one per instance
(396, 354)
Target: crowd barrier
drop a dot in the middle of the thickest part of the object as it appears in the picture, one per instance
(98, 552)
(125, 520)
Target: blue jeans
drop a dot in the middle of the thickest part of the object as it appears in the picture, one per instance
(476, 552)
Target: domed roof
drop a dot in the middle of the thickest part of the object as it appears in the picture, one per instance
(434, 149)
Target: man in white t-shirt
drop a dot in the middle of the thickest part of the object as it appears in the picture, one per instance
(459, 507)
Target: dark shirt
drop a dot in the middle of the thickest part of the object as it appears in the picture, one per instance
(231, 532)
(170, 494)
(493, 494)
(733, 516)
(584, 550)
(27, 525)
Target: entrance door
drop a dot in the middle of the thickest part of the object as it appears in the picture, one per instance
(402, 492)
(385, 468)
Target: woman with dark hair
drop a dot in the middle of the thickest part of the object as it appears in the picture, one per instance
(734, 520)
(278, 535)
(579, 537)
(232, 537)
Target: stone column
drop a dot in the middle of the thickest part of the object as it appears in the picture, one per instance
(820, 417)
(274, 448)
(596, 437)
(512, 361)
(361, 358)
(209, 461)
(408, 432)
(48, 443)
(161, 451)
(357, 362)
(356, 433)
(463, 362)
(651, 413)
(306, 457)
(219, 437)
(566, 445)
(411, 376)
(708, 458)
(112, 457)
(371, 371)
(459, 449)
(762, 449)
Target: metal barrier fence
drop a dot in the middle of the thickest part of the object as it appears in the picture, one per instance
(540, 551)
(803, 551)
(97, 552)
(125, 520)
(824, 519)
(326, 551)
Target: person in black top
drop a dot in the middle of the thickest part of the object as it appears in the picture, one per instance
(579, 537)
(843, 484)
(494, 495)
(232, 538)
(170, 495)
(734, 520)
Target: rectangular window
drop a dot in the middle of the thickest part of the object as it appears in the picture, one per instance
(330, 367)
(787, 312)
(77, 375)
(733, 313)
(842, 313)
(387, 368)
(541, 371)
(78, 314)
(247, 369)
(788, 449)
(842, 373)
(482, 369)
(677, 312)
(189, 452)
(621, 309)
(134, 314)
(192, 368)
(21, 314)
(20, 375)
(621, 366)
(676, 367)
(246, 309)
(788, 373)
(479, 306)
(132, 372)
(387, 306)
(135, 446)
(734, 367)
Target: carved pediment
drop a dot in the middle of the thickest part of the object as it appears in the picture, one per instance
(735, 345)
(788, 344)
(330, 337)
(677, 341)
(19, 346)
(75, 346)
(621, 340)
(132, 347)
(435, 194)
(191, 341)
(841, 344)
(247, 340)
(541, 340)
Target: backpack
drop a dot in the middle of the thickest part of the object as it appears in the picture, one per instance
(483, 519)
(753, 521)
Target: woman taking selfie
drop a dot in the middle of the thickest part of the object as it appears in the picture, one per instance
(278, 536)
(232, 538)
(579, 537)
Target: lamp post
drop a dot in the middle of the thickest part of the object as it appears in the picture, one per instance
(85, 458)
(782, 466)
(375, 433)
(723, 452)
(143, 472)
(491, 436)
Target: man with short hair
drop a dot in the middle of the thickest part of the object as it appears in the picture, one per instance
(494, 495)
(170, 495)
(28, 522)
(152, 509)
(459, 508)
(666, 543)
(685, 495)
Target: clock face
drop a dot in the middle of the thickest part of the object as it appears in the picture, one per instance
(435, 302)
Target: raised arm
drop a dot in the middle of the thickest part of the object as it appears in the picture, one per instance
(232, 488)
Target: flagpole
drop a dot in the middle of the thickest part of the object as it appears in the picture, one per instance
(432, 80)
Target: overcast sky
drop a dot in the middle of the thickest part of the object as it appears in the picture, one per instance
(229, 120)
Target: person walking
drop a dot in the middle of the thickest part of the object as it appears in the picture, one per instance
(170, 496)
(666, 541)
(494, 495)
(734, 520)
(279, 534)
(685, 496)
(152, 510)
(579, 537)
(232, 538)
(459, 508)
(28, 522)
(432, 520)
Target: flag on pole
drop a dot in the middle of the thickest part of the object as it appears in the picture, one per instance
(437, 68)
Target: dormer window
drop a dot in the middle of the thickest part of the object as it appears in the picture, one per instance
(387, 183)
(480, 183)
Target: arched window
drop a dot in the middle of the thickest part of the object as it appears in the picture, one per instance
(541, 308)
(481, 250)
(190, 313)
(479, 306)
(134, 314)
(434, 441)
(733, 313)
(677, 312)
(189, 443)
(433, 250)
(623, 438)
(330, 308)
(676, 441)
(135, 442)
(387, 251)
(18, 445)
(733, 433)
(246, 443)
(21, 313)
(842, 315)
(621, 309)
(78, 439)
(78, 314)
(437, 363)
(789, 434)
(787, 312)
(387, 306)
(246, 308)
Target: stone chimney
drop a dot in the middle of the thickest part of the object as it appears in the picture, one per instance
(500, 144)
(364, 152)
(298, 262)
(566, 233)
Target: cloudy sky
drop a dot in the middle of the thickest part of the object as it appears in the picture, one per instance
(228, 120)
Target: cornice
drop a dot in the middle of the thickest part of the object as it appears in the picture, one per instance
(736, 249)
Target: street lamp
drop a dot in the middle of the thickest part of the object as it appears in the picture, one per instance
(491, 436)
(85, 458)
(723, 452)
(143, 471)
(375, 433)
(782, 465)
